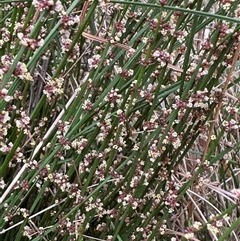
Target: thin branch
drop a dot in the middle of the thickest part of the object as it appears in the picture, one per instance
(219, 106)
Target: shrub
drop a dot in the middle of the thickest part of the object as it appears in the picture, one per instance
(119, 120)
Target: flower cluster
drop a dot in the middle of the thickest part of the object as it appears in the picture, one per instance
(53, 88)
(230, 125)
(23, 122)
(5, 37)
(29, 42)
(21, 72)
(4, 123)
(48, 5)
(113, 97)
(94, 61)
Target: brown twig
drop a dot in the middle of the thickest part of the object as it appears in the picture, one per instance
(103, 40)
(36, 15)
(84, 10)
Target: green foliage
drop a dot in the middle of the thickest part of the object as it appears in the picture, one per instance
(119, 120)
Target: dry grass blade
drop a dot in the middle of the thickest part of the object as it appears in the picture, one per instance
(84, 10)
(103, 40)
